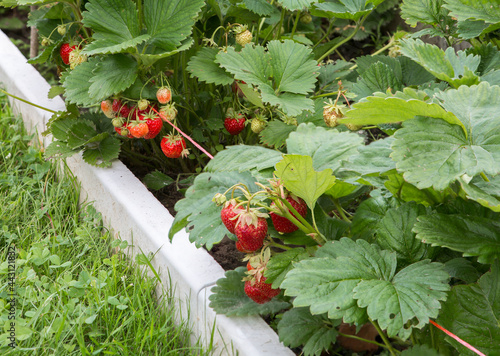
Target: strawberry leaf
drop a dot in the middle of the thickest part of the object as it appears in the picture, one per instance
(486, 10)
(408, 192)
(472, 313)
(373, 158)
(293, 5)
(384, 109)
(470, 235)
(486, 197)
(157, 180)
(284, 73)
(229, 297)
(424, 11)
(315, 332)
(77, 83)
(244, 158)
(394, 232)
(203, 66)
(112, 75)
(276, 133)
(298, 175)
(378, 77)
(119, 32)
(326, 147)
(170, 22)
(420, 350)
(199, 214)
(348, 9)
(457, 69)
(282, 263)
(367, 216)
(260, 7)
(104, 153)
(437, 157)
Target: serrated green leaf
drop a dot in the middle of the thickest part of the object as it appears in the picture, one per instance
(373, 158)
(314, 332)
(229, 297)
(77, 83)
(420, 350)
(424, 11)
(414, 294)
(394, 232)
(157, 180)
(470, 235)
(367, 216)
(376, 110)
(439, 156)
(252, 95)
(486, 10)
(413, 73)
(315, 117)
(55, 91)
(200, 213)
(455, 68)
(148, 59)
(341, 189)
(284, 73)
(293, 5)
(260, 7)
(80, 133)
(326, 147)
(408, 192)
(346, 9)
(298, 175)
(112, 75)
(280, 264)
(484, 198)
(365, 62)
(119, 32)
(104, 153)
(170, 22)
(378, 77)
(472, 313)
(462, 269)
(203, 66)
(59, 149)
(242, 158)
(276, 133)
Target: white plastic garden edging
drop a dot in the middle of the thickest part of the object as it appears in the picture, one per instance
(135, 215)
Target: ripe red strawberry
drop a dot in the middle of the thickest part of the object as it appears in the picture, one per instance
(174, 146)
(64, 51)
(125, 111)
(251, 230)
(138, 128)
(260, 291)
(240, 248)
(107, 109)
(228, 214)
(234, 125)
(154, 125)
(282, 224)
(117, 104)
(164, 95)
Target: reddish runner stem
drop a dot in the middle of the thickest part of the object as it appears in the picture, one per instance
(449, 333)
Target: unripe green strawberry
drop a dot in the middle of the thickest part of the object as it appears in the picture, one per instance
(61, 29)
(257, 125)
(332, 113)
(354, 127)
(45, 41)
(117, 121)
(142, 104)
(76, 58)
(306, 18)
(169, 112)
(244, 38)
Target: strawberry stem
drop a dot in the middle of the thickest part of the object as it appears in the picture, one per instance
(28, 102)
(384, 338)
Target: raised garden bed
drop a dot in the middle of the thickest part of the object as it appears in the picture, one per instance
(138, 217)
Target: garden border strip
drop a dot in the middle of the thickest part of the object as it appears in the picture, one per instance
(140, 218)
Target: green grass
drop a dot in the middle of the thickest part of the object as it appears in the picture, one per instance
(76, 292)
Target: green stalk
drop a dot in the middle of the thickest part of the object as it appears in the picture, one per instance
(387, 46)
(324, 36)
(364, 340)
(341, 210)
(283, 11)
(297, 18)
(384, 338)
(27, 102)
(484, 177)
(348, 38)
(139, 14)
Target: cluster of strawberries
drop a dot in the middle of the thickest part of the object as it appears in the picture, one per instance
(250, 227)
(144, 120)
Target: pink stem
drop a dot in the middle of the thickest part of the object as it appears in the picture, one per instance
(467, 345)
(183, 134)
